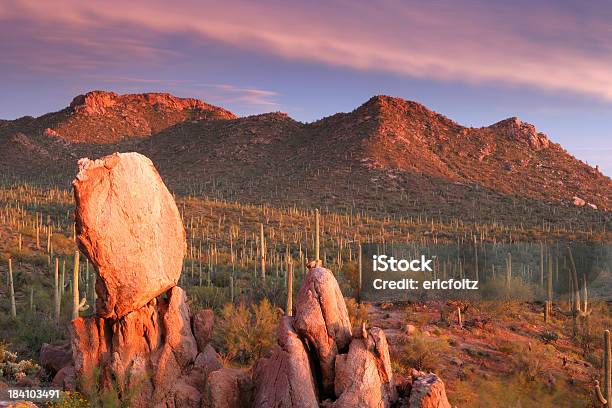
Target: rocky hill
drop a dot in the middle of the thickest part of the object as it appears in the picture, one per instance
(388, 155)
(106, 117)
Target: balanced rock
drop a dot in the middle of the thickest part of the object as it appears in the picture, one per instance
(146, 353)
(363, 376)
(321, 319)
(285, 380)
(428, 392)
(131, 230)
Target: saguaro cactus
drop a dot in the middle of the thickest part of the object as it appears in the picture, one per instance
(12, 289)
(262, 251)
(459, 318)
(56, 292)
(548, 306)
(75, 287)
(576, 286)
(606, 397)
(317, 233)
(289, 308)
(359, 280)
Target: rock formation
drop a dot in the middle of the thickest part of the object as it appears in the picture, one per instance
(285, 379)
(428, 392)
(144, 346)
(363, 376)
(316, 351)
(322, 320)
(130, 228)
(140, 343)
(522, 132)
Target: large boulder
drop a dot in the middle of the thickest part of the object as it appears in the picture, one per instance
(142, 354)
(428, 392)
(53, 358)
(65, 378)
(363, 376)
(205, 363)
(285, 380)
(322, 320)
(128, 225)
(203, 322)
(227, 388)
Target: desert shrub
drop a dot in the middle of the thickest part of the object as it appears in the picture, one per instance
(513, 391)
(499, 289)
(11, 368)
(350, 273)
(244, 333)
(532, 362)
(70, 399)
(424, 352)
(30, 330)
(207, 297)
(358, 312)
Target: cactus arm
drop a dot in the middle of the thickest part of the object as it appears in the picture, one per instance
(600, 397)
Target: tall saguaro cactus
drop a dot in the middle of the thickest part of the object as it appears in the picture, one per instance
(289, 308)
(548, 305)
(75, 287)
(12, 289)
(359, 280)
(262, 250)
(56, 292)
(317, 234)
(606, 397)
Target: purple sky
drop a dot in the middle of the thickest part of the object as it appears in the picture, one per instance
(477, 62)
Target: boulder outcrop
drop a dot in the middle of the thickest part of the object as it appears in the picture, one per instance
(322, 320)
(428, 392)
(128, 225)
(228, 388)
(147, 350)
(285, 379)
(363, 376)
(144, 345)
(53, 358)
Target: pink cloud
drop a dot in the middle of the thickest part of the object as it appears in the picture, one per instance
(542, 47)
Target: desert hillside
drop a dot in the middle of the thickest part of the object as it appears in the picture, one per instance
(389, 156)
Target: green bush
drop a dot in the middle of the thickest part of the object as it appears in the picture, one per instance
(358, 313)
(424, 352)
(243, 334)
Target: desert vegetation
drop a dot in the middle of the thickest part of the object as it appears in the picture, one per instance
(237, 263)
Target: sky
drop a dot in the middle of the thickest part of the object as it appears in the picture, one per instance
(549, 62)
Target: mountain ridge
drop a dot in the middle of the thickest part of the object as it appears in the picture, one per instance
(387, 143)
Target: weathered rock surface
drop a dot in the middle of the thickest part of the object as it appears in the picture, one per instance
(227, 388)
(202, 324)
(205, 363)
(65, 378)
(428, 392)
(578, 201)
(285, 379)
(321, 319)
(146, 351)
(54, 358)
(523, 132)
(186, 396)
(131, 230)
(363, 376)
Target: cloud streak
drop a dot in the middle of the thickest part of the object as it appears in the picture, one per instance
(525, 44)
